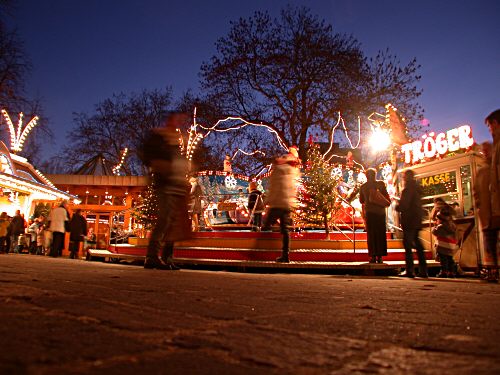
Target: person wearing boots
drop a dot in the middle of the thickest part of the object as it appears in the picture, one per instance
(282, 198)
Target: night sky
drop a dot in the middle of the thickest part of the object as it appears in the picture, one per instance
(83, 51)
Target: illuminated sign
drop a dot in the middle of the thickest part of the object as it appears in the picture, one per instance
(435, 145)
(439, 183)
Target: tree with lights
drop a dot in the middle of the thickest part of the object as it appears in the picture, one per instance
(295, 74)
(147, 212)
(318, 197)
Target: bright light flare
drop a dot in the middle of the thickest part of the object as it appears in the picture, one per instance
(380, 140)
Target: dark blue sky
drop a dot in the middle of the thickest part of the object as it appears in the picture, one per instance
(84, 51)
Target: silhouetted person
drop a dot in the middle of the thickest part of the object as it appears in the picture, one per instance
(374, 215)
(255, 206)
(410, 206)
(161, 153)
(17, 226)
(489, 188)
(77, 232)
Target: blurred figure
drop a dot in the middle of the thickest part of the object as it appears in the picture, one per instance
(77, 230)
(446, 243)
(374, 215)
(57, 218)
(282, 198)
(457, 211)
(482, 200)
(440, 206)
(17, 225)
(4, 230)
(161, 153)
(31, 232)
(40, 236)
(195, 206)
(227, 164)
(410, 206)
(255, 206)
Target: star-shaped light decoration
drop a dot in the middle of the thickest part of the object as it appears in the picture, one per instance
(18, 136)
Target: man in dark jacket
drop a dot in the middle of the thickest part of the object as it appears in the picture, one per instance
(410, 206)
(17, 226)
(78, 230)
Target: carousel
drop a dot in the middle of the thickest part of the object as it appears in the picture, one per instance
(225, 236)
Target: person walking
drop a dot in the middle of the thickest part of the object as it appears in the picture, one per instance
(374, 199)
(161, 153)
(17, 226)
(282, 198)
(57, 218)
(487, 196)
(410, 207)
(77, 232)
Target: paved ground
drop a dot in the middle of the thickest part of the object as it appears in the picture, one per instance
(60, 316)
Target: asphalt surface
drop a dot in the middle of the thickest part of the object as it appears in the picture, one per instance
(62, 316)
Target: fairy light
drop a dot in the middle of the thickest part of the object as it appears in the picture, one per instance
(243, 123)
(17, 137)
(248, 153)
(340, 120)
(116, 168)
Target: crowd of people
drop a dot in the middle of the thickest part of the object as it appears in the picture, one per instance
(43, 235)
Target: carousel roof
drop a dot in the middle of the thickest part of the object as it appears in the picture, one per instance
(96, 166)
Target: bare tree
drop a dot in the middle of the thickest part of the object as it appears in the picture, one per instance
(294, 72)
(119, 122)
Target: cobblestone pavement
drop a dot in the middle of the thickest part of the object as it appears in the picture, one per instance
(62, 316)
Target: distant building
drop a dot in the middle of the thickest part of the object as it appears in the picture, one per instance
(22, 187)
(106, 199)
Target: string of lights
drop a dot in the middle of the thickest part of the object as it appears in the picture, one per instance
(18, 137)
(116, 168)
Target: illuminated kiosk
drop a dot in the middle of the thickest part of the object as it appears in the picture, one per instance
(105, 198)
(445, 165)
(22, 187)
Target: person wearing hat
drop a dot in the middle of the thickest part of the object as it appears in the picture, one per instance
(255, 206)
(282, 198)
(446, 242)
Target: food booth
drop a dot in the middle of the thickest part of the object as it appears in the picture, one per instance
(445, 165)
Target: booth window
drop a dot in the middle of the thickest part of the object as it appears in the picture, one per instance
(465, 176)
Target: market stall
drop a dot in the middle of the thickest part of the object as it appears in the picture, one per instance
(445, 165)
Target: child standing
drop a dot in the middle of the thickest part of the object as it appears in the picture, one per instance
(446, 243)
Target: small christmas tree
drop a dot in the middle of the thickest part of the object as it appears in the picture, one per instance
(318, 196)
(147, 213)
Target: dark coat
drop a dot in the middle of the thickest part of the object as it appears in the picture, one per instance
(410, 206)
(364, 194)
(17, 225)
(77, 227)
